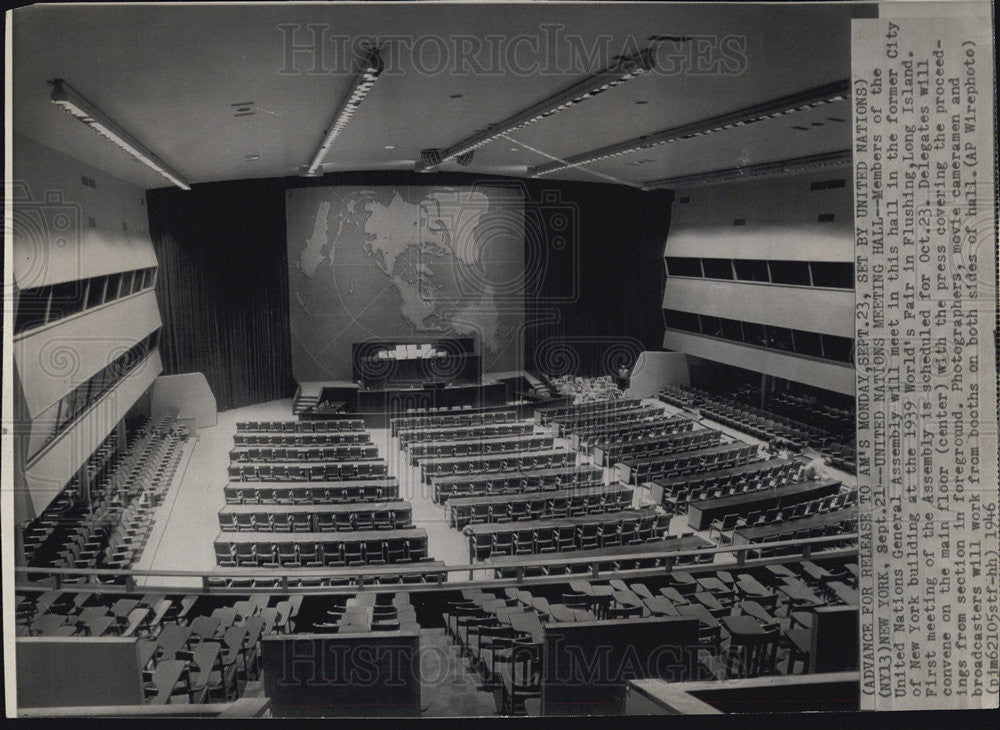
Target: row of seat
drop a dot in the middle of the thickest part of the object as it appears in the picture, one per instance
(313, 518)
(345, 492)
(310, 472)
(724, 527)
(283, 454)
(560, 535)
(479, 446)
(750, 477)
(458, 466)
(608, 419)
(458, 433)
(323, 550)
(448, 419)
(518, 482)
(429, 572)
(111, 531)
(327, 438)
(318, 426)
(517, 507)
(655, 554)
(636, 471)
(655, 446)
(367, 613)
(657, 424)
(577, 411)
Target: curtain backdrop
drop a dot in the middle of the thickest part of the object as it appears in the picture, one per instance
(222, 287)
(593, 290)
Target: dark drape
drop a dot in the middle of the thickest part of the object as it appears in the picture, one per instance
(593, 276)
(222, 287)
(599, 296)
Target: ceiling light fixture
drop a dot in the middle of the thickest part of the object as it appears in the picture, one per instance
(365, 78)
(620, 72)
(803, 101)
(70, 100)
(779, 167)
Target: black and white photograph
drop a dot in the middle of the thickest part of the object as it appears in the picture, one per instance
(499, 359)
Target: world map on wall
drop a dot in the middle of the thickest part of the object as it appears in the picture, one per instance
(399, 262)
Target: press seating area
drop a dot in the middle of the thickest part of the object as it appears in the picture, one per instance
(353, 518)
(191, 649)
(365, 613)
(126, 489)
(756, 621)
(793, 419)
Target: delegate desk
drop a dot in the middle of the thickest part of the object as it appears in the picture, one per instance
(479, 446)
(460, 509)
(632, 471)
(358, 490)
(763, 533)
(604, 419)
(307, 471)
(414, 536)
(651, 446)
(464, 433)
(702, 512)
(544, 416)
(326, 438)
(486, 463)
(477, 534)
(609, 434)
(519, 482)
(317, 516)
(451, 418)
(609, 558)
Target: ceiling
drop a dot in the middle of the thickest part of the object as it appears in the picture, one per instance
(171, 76)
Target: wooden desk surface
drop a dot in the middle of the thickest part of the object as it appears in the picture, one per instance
(383, 482)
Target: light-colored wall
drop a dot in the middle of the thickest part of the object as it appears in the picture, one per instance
(781, 223)
(66, 230)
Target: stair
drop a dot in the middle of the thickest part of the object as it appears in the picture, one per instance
(451, 687)
(304, 403)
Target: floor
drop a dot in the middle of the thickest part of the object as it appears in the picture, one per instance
(450, 685)
(187, 522)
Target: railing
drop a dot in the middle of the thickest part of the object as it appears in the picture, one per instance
(364, 577)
